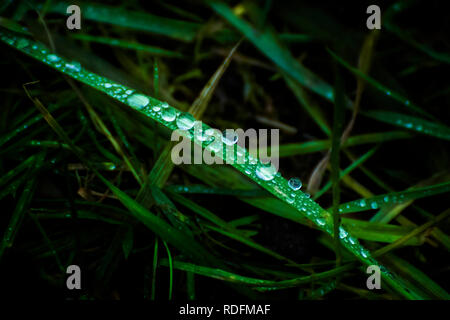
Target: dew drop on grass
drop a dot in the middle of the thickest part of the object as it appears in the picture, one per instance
(168, 114)
(364, 253)
(295, 184)
(342, 233)
(22, 43)
(185, 121)
(266, 172)
(362, 203)
(374, 205)
(74, 66)
(229, 137)
(386, 199)
(138, 100)
(320, 221)
(53, 57)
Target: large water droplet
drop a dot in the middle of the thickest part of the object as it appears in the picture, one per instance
(295, 184)
(362, 203)
(168, 114)
(185, 121)
(266, 172)
(138, 100)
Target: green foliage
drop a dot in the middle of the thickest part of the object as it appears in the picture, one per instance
(107, 137)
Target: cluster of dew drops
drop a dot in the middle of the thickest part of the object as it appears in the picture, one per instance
(265, 172)
(185, 121)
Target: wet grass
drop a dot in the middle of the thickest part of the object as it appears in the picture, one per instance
(87, 176)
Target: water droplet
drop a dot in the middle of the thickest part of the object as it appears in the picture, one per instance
(22, 43)
(266, 172)
(320, 221)
(164, 105)
(53, 57)
(362, 203)
(407, 102)
(295, 184)
(169, 114)
(374, 205)
(388, 93)
(342, 233)
(138, 100)
(289, 200)
(364, 253)
(386, 199)
(107, 85)
(185, 121)
(229, 137)
(74, 66)
(307, 195)
(329, 94)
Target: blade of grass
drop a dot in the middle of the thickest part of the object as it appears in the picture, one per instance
(267, 42)
(21, 208)
(415, 124)
(140, 21)
(129, 45)
(254, 282)
(393, 198)
(338, 121)
(277, 186)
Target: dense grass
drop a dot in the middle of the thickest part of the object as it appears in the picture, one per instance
(87, 177)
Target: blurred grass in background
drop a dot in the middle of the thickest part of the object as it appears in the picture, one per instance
(363, 117)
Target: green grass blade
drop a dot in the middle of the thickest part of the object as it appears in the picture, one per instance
(140, 21)
(267, 42)
(301, 205)
(393, 198)
(416, 124)
(129, 45)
